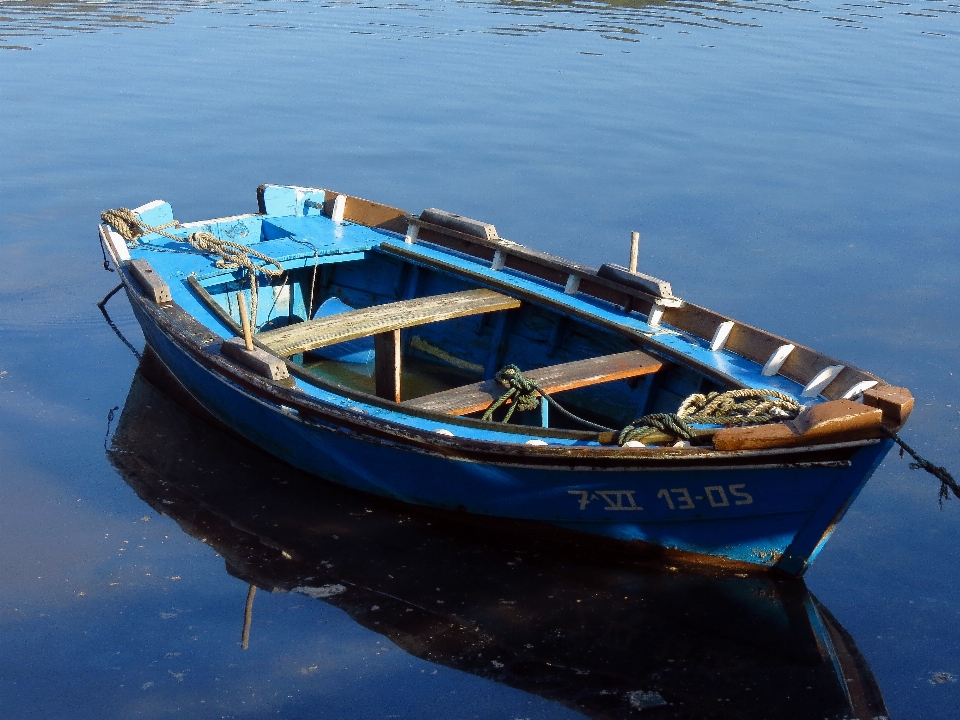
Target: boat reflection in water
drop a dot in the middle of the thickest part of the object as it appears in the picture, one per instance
(607, 637)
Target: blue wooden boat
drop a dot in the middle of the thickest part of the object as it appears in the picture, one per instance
(366, 345)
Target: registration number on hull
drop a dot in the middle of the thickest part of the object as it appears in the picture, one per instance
(675, 498)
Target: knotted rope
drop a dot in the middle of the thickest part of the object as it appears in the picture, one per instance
(940, 473)
(233, 256)
(748, 406)
(526, 395)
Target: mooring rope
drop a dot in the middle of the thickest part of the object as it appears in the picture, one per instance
(233, 256)
(940, 473)
(526, 394)
(748, 406)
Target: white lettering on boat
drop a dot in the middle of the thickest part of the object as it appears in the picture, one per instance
(613, 498)
(676, 498)
(716, 495)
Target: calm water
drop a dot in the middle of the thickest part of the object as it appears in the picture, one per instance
(793, 164)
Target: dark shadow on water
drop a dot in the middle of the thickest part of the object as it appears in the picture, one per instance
(609, 639)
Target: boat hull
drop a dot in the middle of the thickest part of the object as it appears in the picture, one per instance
(772, 511)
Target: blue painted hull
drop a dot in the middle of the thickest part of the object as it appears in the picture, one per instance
(767, 509)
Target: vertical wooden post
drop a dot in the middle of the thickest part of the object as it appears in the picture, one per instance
(386, 347)
(544, 412)
(245, 322)
(634, 250)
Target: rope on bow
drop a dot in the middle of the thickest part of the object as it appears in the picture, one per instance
(233, 256)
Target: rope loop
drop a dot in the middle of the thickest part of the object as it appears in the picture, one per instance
(526, 394)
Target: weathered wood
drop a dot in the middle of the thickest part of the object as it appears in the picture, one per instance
(459, 223)
(896, 403)
(634, 251)
(836, 416)
(313, 334)
(555, 378)
(154, 286)
(256, 359)
(539, 264)
(647, 283)
(245, 321)
(367, 212)
(386, 347)
(829, 422)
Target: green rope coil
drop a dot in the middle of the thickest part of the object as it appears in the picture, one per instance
(526, 394)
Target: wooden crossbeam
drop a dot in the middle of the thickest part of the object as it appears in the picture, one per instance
(479, 396)
(313, 334)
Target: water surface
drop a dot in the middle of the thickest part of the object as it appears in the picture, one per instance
(791, 164)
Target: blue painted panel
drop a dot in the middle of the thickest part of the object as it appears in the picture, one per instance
(244, 229)
(279, 200)
(290, 200)
(160, 214)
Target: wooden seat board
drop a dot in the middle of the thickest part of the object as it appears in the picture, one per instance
(555, 378)
(377, 319)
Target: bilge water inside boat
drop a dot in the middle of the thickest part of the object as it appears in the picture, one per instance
(610, 639)
(384, 351)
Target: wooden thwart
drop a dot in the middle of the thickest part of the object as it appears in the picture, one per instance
(479, 396)
(333, 329)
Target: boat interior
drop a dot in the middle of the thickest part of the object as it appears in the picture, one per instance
(379, 302)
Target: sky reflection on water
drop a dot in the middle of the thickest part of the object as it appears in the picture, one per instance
(785, 165)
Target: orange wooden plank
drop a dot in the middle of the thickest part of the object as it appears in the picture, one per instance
(555, 378)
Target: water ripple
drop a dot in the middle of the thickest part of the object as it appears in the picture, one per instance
(27, 23)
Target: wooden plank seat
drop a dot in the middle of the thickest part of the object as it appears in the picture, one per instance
(383, 322)
(479, 396)
(313, 334)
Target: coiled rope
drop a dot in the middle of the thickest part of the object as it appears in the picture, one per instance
(233, 256)
(526, 395)
(749, 406)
